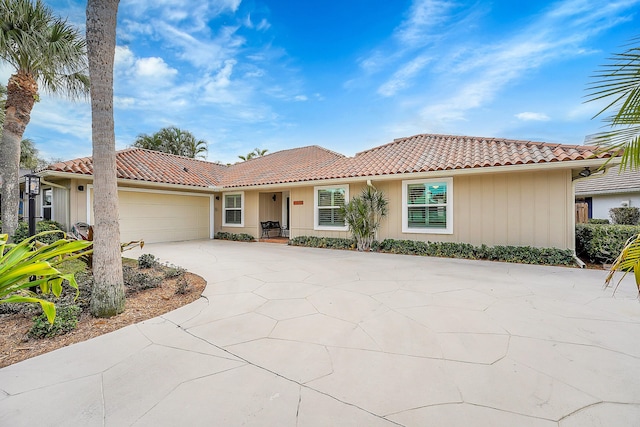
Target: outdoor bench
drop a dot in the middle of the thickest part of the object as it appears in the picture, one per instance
(267, 226)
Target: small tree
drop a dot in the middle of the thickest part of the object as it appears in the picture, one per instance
(364, 214)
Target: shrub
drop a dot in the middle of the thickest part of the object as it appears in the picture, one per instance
(323, 242)
(598, 221)
(136, 281)
(182, 286)
(172, 271)
(519, 254)
(363, 215)
(241, 237)
(22, 232)
(625, 215)
(147, 261)
(66, 321)
(598, 243)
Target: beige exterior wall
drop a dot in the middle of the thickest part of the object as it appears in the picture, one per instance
(520, 209)
(250, 211)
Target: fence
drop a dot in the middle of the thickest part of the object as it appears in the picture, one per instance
(582, 213)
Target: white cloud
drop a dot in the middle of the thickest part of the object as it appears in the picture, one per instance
(424, 16)
(530, 116)
(155, 68)
(300, 98)
(401, 79)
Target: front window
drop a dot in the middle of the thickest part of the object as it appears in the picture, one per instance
(427, 206)
(233, 204)
(328, 200)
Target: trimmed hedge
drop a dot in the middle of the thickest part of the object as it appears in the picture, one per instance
(517, 254)
(323, 242)
(602, 243)
(625, 215)
(242, 237)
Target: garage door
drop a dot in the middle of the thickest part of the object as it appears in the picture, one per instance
(163, 217)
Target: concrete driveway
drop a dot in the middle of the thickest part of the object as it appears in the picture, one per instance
(288, 336)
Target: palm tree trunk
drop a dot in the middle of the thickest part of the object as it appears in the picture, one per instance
(108, 297)
(22, 92)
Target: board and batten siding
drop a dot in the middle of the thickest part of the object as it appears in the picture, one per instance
(517, 208)
(250, 212)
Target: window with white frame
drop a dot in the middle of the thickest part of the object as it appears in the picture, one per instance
(232, 209)
(327, 203)
(47, 203)
(427, 206)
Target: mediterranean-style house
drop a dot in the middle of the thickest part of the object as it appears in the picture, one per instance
(612, 189)
(440, 188)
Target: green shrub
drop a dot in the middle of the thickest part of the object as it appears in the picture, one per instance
(182, 286)
(172, 271)
(625, 215)
(598, 221)
(147, 261)
(241, 237)
(323, 242)
(22, 232)
(136, 281)
(66, 321)
(597, 243)
(518, 254)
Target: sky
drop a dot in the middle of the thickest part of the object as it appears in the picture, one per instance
(347, 75)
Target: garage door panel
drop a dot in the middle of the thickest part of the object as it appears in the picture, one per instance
(163, 217)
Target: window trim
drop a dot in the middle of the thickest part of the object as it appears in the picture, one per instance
(449, 207)
(44, 206)
(316, 208)
(224, 208)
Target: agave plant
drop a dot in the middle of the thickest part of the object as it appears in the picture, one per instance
(20, 262)
(627, 261)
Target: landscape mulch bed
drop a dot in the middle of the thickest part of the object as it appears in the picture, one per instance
(16, 345)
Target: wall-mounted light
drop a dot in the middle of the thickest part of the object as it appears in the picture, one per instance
(586, 172)
(273, 197)
(217, 197)
(80, 187)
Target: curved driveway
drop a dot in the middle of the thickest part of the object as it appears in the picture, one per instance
(289, 336)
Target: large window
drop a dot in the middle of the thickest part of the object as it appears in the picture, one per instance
(427, 206)
(233, 207)
(327, 203)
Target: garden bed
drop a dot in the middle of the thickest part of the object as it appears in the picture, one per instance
(16, 344)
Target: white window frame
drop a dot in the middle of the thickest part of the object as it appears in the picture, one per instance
(224, 208)
(449, 207)
(42, 204)
(316, 212)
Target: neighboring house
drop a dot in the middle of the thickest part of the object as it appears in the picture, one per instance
(612, 189)
(440, 188)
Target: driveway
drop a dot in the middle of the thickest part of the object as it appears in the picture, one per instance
(289, 336)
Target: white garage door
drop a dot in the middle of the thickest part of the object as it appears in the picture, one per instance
(163, 217)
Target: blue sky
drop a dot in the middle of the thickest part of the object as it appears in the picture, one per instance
(347, 75)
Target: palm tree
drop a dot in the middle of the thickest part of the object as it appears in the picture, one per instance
(45, 50)
(107, 298)
(255, 153)
(173, 140)
(29, 158)
(618, 83)
(363, 215)
(259, 152)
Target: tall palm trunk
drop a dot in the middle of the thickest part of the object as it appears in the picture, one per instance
(22, 92)
(108, 297)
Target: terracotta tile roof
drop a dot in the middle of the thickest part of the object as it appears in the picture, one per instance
(425, 153)
(297, 164)
(612, 182)
(418, 153)
(153, 166)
